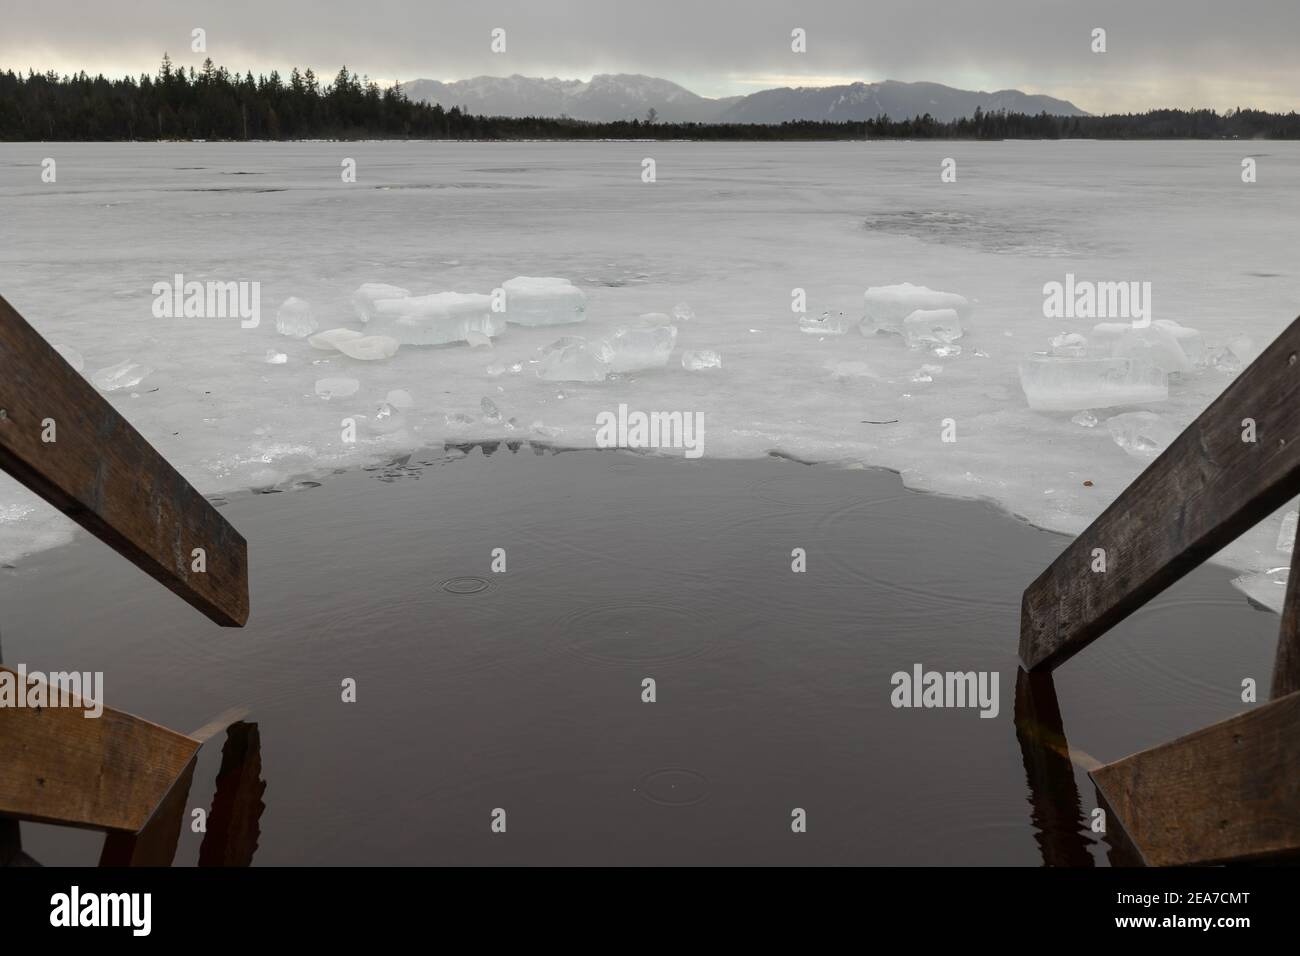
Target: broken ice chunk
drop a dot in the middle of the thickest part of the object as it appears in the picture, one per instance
(927, 327)
(71, 356)
(328, 341)
(436, 319)
(885, 307)
(1286, 536)
(369, 348)
(574, 359)
(477, 340)
(1156, 343)
(848, 370)
(637, 349)
(1236, 355)
(328, 388)
(364, 299)
(1057, 383)
(543, 430)
(683, 312)
(125, 374)
(1085, 418)
(701, 359)
(458, 419)
(490, 411)
(294, 318)
(1142, 434)
(654, 319)
(829, 324)
(400, 398)
(275, 358)
(1069, 343)
(387, 420)
(534, 300)
(1189, 339)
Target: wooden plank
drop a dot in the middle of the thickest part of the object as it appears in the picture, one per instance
(1229, 792)
(1120, 849)
(107, 773)
(103, 474)
(155, 844)
(1286, 663)
(1207, 488)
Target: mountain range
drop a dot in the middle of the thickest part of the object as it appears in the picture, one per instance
(623, 96)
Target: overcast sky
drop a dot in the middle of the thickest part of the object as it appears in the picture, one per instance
(1160, 52)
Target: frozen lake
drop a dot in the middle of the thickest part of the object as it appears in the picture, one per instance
(524, 689)
(730, 229)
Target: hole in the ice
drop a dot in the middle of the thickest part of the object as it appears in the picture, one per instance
(464, 585)
(617, 634)
(674, 787)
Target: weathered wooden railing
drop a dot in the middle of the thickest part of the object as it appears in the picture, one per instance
(1232, 790)
(115, 773)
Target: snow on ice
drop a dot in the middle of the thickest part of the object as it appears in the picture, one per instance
(870, 242)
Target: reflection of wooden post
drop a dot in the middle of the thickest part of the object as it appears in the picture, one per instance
(234, 824)
(1053, 795)
(1229, 792)
(1207, 488)
(100, 472)
(11, 845)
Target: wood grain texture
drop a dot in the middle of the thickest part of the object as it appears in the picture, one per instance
(103, 474)
(155, 844)
(107, 773)
(1207, 488)
(1230, 792)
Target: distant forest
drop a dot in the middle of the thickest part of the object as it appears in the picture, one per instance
(212, 103)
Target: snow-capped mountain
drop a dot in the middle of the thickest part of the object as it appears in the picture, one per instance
(604, 97)
(860, 101)
(630, 96)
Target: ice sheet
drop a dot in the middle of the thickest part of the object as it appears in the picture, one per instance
(735, 230)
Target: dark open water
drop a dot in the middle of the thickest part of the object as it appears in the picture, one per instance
(522, 690)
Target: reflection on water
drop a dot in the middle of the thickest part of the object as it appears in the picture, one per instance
(234, 822)
(772, 688)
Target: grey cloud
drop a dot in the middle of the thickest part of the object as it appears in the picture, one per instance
(1183, 51)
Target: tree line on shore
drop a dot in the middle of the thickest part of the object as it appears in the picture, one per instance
(213, 103)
